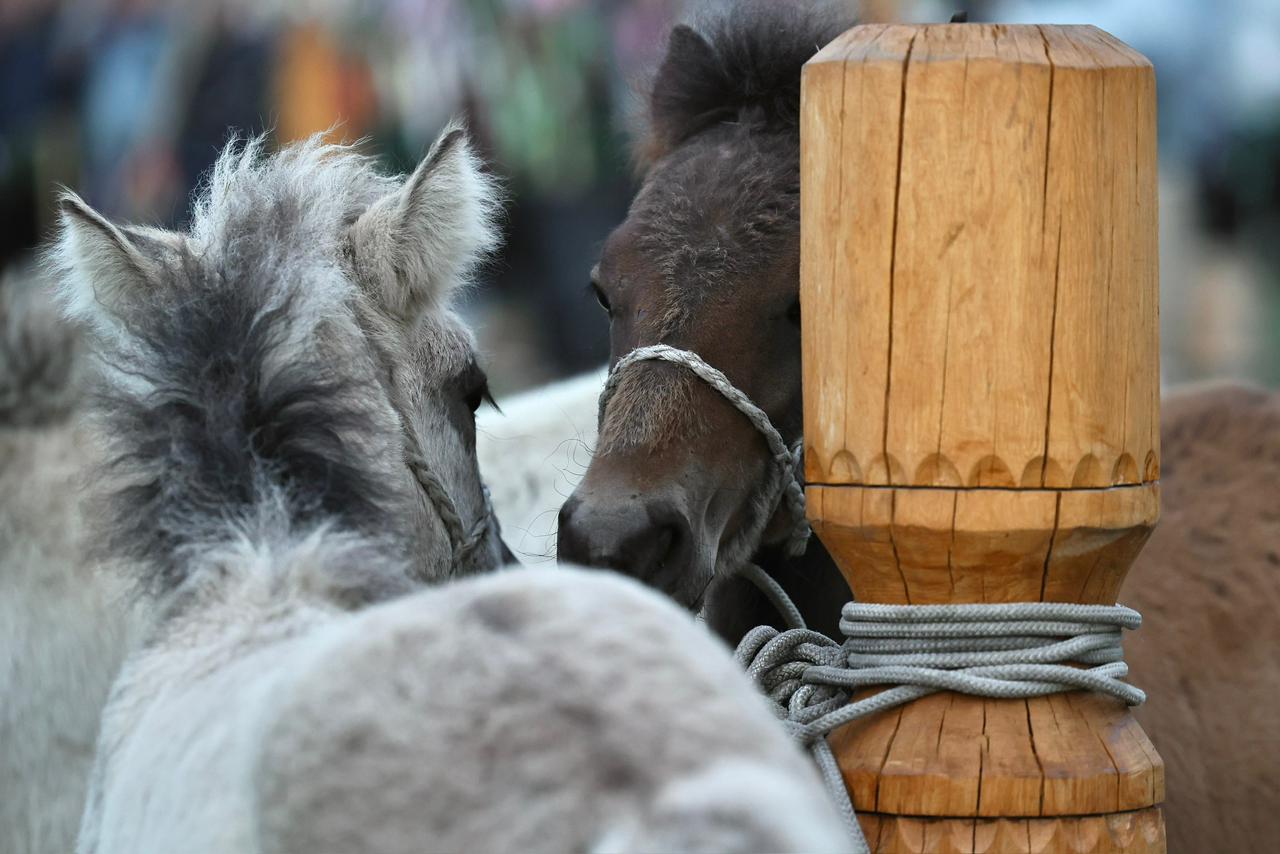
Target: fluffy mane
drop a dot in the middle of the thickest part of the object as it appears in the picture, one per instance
(739, 65)
(307, 192)
(234, 419)
(230, 385)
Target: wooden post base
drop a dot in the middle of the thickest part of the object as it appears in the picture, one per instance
(1138, 832)
(957, 756)
(1078, 759)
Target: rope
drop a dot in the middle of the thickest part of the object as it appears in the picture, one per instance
(1018, 650)
(463, 541)
(786, 483)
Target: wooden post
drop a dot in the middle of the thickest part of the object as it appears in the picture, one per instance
(981, 381)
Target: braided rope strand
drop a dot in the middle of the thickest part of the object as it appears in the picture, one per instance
(464, 541)
(786, 483)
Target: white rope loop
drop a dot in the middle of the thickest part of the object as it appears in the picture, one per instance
(969, 654)
(1012, 651)
(786, 484)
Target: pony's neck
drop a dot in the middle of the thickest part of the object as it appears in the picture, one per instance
(813, 582)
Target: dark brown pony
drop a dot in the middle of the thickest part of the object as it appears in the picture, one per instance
(707, 260)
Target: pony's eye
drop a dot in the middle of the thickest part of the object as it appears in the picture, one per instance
(598, 292)
(793, 312)
(478, 390)
(478, 396)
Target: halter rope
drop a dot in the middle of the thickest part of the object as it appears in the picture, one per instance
(786, 484)
(1017, 650)
(463, 541)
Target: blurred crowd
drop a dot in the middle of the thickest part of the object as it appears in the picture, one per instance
(128, 101)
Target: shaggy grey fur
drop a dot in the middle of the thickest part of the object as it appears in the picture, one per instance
(64, 622)
(266, 369)
(38, 364)
(265, 378)
(504, 713)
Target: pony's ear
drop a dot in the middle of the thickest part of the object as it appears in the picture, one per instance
(687, 89)
(100, 264)
(416, 245)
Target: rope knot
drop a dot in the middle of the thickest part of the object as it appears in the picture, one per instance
(1018, 650)
(781, 664)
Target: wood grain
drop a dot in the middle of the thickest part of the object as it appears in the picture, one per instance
(932, 546)
(979, 267)
(979, 282)
(1138, 832)
(951, 755)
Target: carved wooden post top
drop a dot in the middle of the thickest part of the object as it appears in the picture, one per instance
(979, 286)
(979, 270)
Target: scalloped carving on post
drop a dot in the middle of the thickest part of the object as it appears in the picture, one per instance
(1125, 470)
(1088, 472)
(980, 334)
(937, 470)
(984, 290)
(1137, 832)
(1151, 467)
(845, 465)
(991, 471)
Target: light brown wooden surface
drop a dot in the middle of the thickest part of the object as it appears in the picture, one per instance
(909, 546)
(951, 755)
(1140, 832)
(979, 284)
(991, 191)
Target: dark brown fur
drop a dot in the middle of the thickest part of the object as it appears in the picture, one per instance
(707, 260)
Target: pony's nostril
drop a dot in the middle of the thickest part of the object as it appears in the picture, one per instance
(572, 536)
(661, 555)
(663, 539)
(649, 542)
(646, 553)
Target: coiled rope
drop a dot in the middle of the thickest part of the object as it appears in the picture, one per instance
(1016, 650)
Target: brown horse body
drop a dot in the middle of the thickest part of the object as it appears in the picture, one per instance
(1208, 586)
(707, 260)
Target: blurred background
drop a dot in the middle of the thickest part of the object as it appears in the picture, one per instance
(128, 101)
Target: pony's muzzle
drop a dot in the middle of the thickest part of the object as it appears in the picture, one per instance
(649, 539)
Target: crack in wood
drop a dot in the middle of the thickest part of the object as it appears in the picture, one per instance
(1035, 754)
(893, 253)
(1048, 554)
